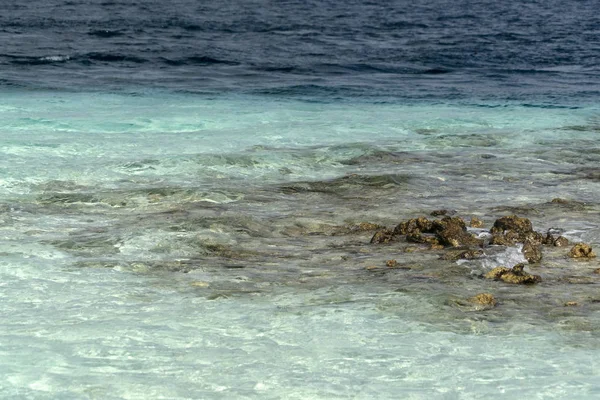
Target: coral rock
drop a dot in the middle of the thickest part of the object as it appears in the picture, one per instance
(454, 255)
(582, 250)
(561, 241)
(420, 224)
(532, 251)
(515, 275)
(512, 223)
(452, 231)
(417, 237)
(383, 236)
(476, 223)
(484, 299)
(438, 213)
(365, 227)
(510, 230)
(497, 272)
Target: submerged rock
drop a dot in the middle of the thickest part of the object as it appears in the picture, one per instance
(476, 223)
(582, 250)
(514, 275)
(364, 227)
(497, 272)
(454, 255)
(417, 237)
(383, 236)
(438, 213)
(484, 299)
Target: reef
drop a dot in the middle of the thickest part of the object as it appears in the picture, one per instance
(447, 232)
(449, 237)
(451, 232)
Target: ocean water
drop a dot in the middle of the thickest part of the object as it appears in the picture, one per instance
(181, 185)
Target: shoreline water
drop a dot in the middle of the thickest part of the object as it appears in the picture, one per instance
(164, 249)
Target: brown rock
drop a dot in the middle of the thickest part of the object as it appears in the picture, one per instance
(571, 304)
(515, 275)
(484, 299)
(549, 239)
(476, 223)
(452, 231)
(532, 251)
(420, 224)
(582, 250)
(438, 213)
(534, 237)
(496, 273)
(364, 227)
(561, 241)
(417, 237)
(454, 255)
(510, 230)
(382, 236)
(509, 238)
(391, 263)
(512, 223)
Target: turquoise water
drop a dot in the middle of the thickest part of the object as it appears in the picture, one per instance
(180, 247)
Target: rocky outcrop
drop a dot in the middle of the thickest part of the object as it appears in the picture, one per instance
(448, 232)
(510, 230)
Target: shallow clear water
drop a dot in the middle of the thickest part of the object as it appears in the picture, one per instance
(176, 246)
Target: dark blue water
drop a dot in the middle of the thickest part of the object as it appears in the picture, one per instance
(539, 51)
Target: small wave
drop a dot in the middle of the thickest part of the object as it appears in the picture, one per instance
(105, 33)
(108, 57)
(198, 60)
(404, 25)
(272, 68)
(436, 71)
(38, 60)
